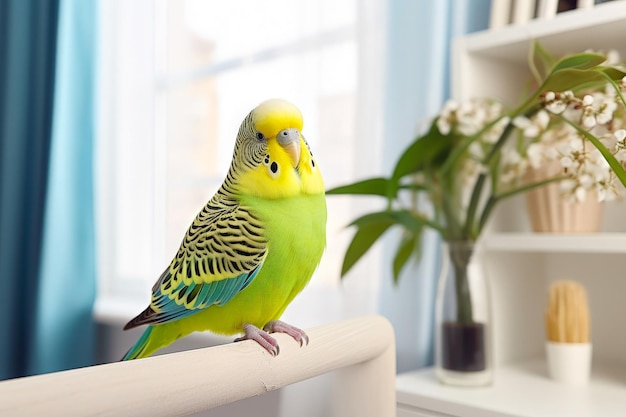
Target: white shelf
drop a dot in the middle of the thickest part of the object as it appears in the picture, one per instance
(520, 390)
(494, 64)
(595, 243)
(567, 33)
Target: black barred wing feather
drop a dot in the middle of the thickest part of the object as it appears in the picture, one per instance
(220, 255)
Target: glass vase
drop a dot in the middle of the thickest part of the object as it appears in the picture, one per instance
(463, 348)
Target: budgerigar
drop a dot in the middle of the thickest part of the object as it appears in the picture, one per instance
(252, 248)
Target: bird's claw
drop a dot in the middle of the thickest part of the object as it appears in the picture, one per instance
(277, 326)
(261, 337)
(266, 341)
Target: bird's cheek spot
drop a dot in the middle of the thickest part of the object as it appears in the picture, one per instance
(273, 169)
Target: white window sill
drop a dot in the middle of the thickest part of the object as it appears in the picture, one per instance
(118, 310)
(109, 309)
(313, 307)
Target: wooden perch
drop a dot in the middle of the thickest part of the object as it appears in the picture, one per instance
(362, 350)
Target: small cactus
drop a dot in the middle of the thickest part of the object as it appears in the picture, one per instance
(567, 315)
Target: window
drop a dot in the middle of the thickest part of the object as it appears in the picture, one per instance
(176, 80)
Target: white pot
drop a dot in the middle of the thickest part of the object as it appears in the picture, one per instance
(569, 363)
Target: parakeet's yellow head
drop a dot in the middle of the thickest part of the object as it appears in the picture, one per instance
(272, 159)
(281, 123)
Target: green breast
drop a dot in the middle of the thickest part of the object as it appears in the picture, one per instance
(294, 226)
(295, 229)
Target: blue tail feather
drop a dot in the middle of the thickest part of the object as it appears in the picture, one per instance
(140, 346)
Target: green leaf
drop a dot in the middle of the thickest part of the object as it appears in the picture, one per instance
(573, 79)
(410, 221)
(617, 168)
(366, 235)
(414, 187)
(408, 245)
(402, 217)
(540, 61)
(585, 60)
(372, 186)
(579, 72)
(612, 73)
(370, 227)
(427, 150)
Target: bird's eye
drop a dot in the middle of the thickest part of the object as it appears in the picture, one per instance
(260, 136)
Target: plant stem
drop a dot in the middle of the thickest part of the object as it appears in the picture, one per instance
(469, 230)
(494, 199)
(460, 254)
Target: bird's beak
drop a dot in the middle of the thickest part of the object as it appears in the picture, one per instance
(289, 140)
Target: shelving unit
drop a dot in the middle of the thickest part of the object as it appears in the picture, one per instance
(522, 264)
(596, 243)
(521, 390)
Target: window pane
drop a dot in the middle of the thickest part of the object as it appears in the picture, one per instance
(204, 117)
(169, 144)
(240, 27)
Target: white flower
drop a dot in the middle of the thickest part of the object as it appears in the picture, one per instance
(620, 155)
(443, 125)
(556, 107)
(542, 119)
(447, 116)
(586, 180)
(470, 117)
(589, 121)
(536, 153)
(600, 107)
(567, 162)
(532, 127)
(476, 150)
(580, 193)
(575, 145)
(513, 167)
(598, 161)
(606, 110)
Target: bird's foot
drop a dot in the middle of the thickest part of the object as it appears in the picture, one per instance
(277, 326)
(266, 341)
(261, 337)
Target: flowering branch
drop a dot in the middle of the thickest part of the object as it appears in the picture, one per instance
(475, 155)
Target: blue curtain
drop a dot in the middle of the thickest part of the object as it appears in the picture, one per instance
(64, 328)
(28, 31)
(417, 84)
(46, 210)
